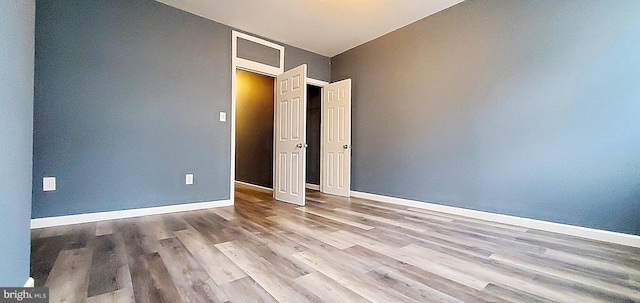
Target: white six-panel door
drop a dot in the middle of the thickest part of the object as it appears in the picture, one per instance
(336, 144)
(290, 136)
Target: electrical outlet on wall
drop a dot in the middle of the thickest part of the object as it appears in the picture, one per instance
(49, 183)
(189, 179)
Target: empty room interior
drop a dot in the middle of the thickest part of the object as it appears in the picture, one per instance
(320, 151)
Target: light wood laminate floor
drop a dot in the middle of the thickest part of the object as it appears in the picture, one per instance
(333, 250)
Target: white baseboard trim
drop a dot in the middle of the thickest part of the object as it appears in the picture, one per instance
(571, 230)
(127, 213)
(30, 282)
(313, 186)
(257, 187)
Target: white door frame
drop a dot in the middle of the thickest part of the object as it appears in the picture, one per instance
(260, 68)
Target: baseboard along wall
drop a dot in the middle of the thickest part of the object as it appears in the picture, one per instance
(566, 229)
(127, 213)
(571, 230)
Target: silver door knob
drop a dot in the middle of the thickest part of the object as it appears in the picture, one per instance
(302, 145)
(346, 146)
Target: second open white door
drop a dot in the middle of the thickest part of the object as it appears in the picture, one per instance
(290, 135)
(336, 141)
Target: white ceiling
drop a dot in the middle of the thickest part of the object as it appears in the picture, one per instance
(326, 27)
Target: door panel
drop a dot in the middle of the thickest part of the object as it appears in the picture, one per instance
(336, 141)
(290, 133)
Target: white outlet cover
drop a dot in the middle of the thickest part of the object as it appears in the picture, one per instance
(223, 116)
(49, 183)
(189, 179)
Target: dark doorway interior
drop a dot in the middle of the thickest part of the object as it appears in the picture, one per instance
(314, 96)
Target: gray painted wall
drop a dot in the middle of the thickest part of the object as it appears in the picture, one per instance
(526, 108)
(318, 67)
(16, 138)
(127, 96)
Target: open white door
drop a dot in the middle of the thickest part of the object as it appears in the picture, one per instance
(290, 136)
(336, 141)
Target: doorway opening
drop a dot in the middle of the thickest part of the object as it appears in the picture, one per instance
(254, 129)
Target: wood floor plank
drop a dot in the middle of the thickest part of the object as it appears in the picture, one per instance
(327, 238)
(586, 261)
(410, 288)
(347, 277)
(259, 270)
(151, 280)
(211, 231)
(68, 280)
(328, 289)
(417, 274)
(468, 219)
(487, 273)
(451, 244)
(155, 227)
(421, 261)
(246, 290)
(44, 252)
(103, 273)
(191, 280)
(248, 197)
(81, 231)
(220, 268)
(104, 228)
(124, 295)
(454, 273)
(174, 223)
(336, 218)
(124, 277)
(392, 222)
(279, 258)
(615, 285)
(225, 213)
(334, 249)
(509, 294)
(136, 243)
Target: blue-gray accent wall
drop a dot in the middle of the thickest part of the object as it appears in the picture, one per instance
(127, 96)
(525, 108)
(16, 138)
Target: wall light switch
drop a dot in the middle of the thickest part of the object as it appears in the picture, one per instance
(189, 179)
(49, 183)
(223, 116)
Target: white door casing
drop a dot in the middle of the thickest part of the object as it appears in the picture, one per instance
(290, 135)
(336, 138)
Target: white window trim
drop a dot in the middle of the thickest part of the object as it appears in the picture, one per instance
(252, 65)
